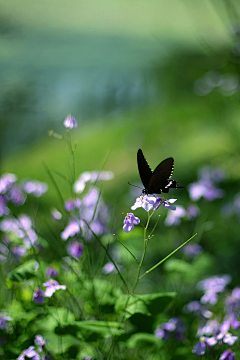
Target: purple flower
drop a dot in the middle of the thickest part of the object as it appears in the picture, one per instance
(192, 250)
(129, 222)
(3, 321)
(174, 218)
(52, 272)
(16, 195)
(204, 189)
(70, 122)
(167, 206)
(212, 286)
(173, 325)
(232, 301)
(71, 204)
(110, 268)
(227, 338)
(192, 212)
(227, 355)
(71, 229)
(36, 188)
(30, 353)
(210, 328)
(52, 286)
(56, 215)
(147, 202)
(75, 249)
(38, 296)
(4, 210)
(40, 341)
(92, 177)
(198, 308)
(200, 347)
(6, 181)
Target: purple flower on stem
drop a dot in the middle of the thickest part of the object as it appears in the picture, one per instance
(40, 341)
(70, 122)
(227, 355)
(129, 222)
(200, 347)
(147, 202)
(232, 301)
(174, 218)
(30, 353)
(3, 321)
(38, 296)
(174, 324)
(52, 286)
(75, 249)
(52, 272)
(210, 328)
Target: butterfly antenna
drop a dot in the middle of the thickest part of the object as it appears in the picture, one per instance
(134, 185)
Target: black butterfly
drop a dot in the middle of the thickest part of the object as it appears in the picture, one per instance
(159, 180)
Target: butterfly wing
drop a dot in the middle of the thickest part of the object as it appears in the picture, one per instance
(159, 179)
(144, 169)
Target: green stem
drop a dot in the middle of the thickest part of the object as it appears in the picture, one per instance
(168, 256)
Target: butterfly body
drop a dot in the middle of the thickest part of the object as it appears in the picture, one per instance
(156, 181)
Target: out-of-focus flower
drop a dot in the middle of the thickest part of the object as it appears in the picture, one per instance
(70, 230)
(200, 347)
(147, 202)
(71, 204)
(109, 268)
(6, 182)
(56, 215)
(75, 249)
(25, 230)
(227, 355)
(4, 210)
(16, 195)
(173, 325)
(174, 217)
(52, 272)
(205, 186)
(212, 286)
(30, 353)
(233, 301)
(227, 338)
(40, 341)
(212, 327)
(70, 122)
(192, 211)
(52, 286)
(192, 250)
(129, 222)
(34, 187)
(38, 296)
(91, 177)
(3, 321)
(198, 308)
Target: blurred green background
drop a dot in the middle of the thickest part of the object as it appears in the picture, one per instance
(161, 76)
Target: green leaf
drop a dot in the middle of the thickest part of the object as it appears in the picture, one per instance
(148, 304)
(143, 340)
(92, 330)
(23, 272)
(177, 265)
(104, 292)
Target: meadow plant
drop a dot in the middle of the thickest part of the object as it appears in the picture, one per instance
(94, 310)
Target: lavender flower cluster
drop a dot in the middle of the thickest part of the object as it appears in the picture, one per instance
(211, 330)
